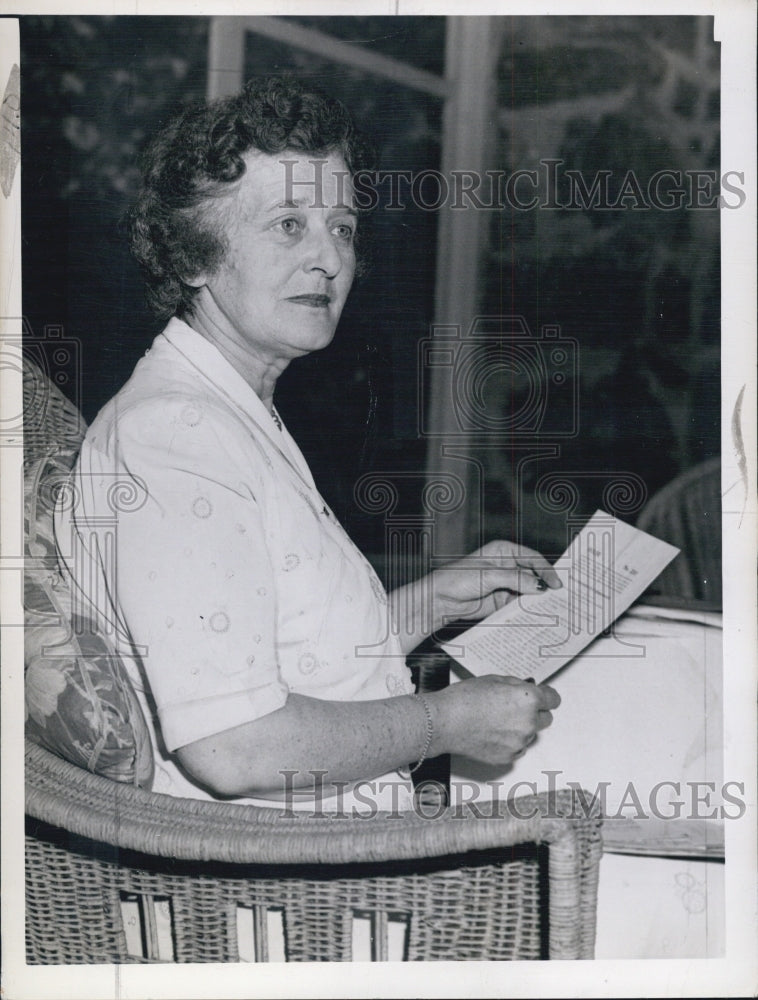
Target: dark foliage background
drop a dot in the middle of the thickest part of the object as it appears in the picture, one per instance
(638, 290)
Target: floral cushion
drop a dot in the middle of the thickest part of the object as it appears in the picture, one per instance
(80, 703)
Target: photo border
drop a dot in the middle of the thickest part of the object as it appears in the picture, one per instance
(736, 973)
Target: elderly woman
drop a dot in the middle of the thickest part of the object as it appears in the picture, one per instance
(264, 648)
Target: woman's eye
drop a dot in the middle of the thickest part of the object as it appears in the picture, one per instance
(289, 226)
(345, 232)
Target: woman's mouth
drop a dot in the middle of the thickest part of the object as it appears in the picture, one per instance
(315, 301)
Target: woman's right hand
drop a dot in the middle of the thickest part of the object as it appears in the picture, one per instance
(492, 719)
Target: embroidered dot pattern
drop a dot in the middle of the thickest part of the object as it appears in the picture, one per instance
(192, 415)
(219, 621)
(202, 507)
(308, 664)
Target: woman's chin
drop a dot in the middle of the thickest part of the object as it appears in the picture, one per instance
(315, 338)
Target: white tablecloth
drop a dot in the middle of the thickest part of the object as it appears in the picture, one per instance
(640, 725)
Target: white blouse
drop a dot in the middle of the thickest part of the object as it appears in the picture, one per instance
(204, 544)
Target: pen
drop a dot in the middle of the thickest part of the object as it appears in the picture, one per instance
(541, 585)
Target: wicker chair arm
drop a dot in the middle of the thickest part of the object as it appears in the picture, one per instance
(127, 817)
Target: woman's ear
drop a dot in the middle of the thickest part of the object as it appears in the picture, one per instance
(197, 280)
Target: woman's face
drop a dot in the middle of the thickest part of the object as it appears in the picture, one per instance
(290, 228)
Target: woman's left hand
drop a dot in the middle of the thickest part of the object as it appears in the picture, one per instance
(469, 588)
(480, 583)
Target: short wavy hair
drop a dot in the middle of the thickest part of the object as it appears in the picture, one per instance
(198, 153)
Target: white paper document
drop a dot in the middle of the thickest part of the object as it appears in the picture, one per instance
(606, 567)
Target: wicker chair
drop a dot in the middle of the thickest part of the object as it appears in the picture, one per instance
(200, 879)
(460, 887)
(687, 513)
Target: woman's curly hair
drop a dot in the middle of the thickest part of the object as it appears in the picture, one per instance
(199, 152)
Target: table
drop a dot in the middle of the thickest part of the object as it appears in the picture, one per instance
(640, 726)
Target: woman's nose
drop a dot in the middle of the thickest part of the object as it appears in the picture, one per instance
(322, 253)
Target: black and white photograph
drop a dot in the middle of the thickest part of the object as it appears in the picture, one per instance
(378, 429)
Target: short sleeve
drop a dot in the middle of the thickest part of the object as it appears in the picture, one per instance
(186, 556)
